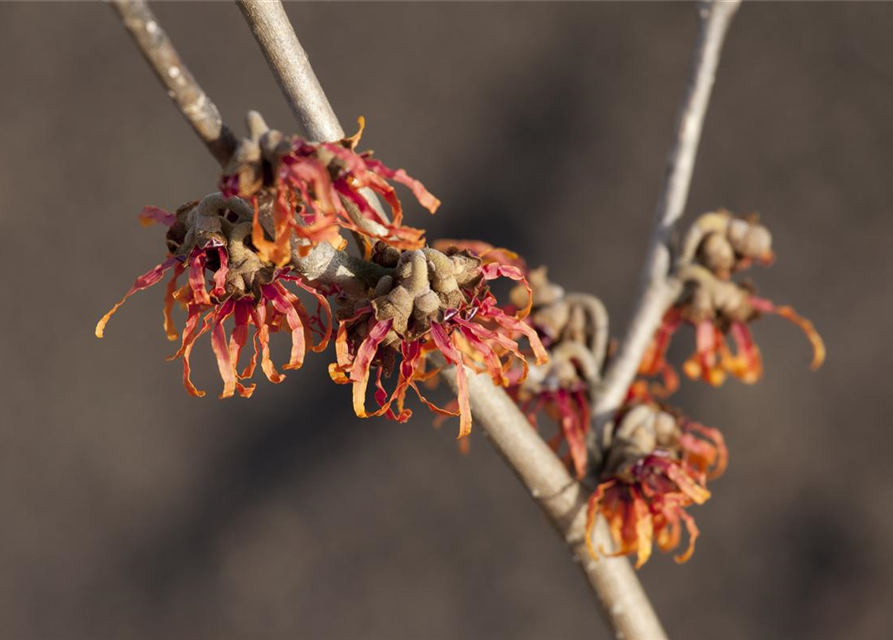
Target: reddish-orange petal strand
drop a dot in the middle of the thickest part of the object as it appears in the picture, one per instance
(188, 343)
(818, 345)
(169, 329)
(276, 295)
(454, 356)
(310, 171)
(714, 439)
(197, 278)
(491, 360)
(324, 305)
(262, 337)
(143, 282)
(514, 324)
(221, 350)
(644, 530)
(693, 533)
(150, 215)
(747, 365)
(425, 198)
(574, 433)
(595, 500)
(239, 337)
(220, 275)
(495, 270)
(697, 493)
(359, 372)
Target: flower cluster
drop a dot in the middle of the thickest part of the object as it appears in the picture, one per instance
(431, 301)
(406, 310)
(243, 251)
(658, 464)
(210, 242)
(719, 308)
(240, 248)
(655, 462)
(313, 191)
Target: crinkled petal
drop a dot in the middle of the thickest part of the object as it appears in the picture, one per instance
(150, 215)
(221, 349)
(360, 368)
(143, 282)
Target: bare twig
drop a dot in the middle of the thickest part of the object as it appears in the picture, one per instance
(186, 93)
(291, 67)
(659, 286)
(613, 580)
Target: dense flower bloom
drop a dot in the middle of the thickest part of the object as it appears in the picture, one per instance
(314, 191)
(226, 278)
(657, 466)
(431, 302)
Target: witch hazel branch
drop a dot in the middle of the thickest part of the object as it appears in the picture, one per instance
(267, 251)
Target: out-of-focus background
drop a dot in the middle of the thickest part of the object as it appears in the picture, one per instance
(133, 511)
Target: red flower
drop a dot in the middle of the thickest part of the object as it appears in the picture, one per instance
(242, 287)
(314, 192)
(569, 408)
(433, 302)
(657, 466)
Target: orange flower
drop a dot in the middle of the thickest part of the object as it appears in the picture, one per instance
(657, 466)
(721, 312)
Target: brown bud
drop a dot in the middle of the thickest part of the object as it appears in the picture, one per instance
(717, 254)
(666, 430)
(633, 439)
(385, 255)
(750, 239)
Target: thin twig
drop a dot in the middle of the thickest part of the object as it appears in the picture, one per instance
(613, 580)
(291, 67)
(659, 285)
(181, 86)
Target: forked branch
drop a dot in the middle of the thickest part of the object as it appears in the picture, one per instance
(659, 286)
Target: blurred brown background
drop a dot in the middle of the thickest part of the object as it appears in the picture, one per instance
(133, 511)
